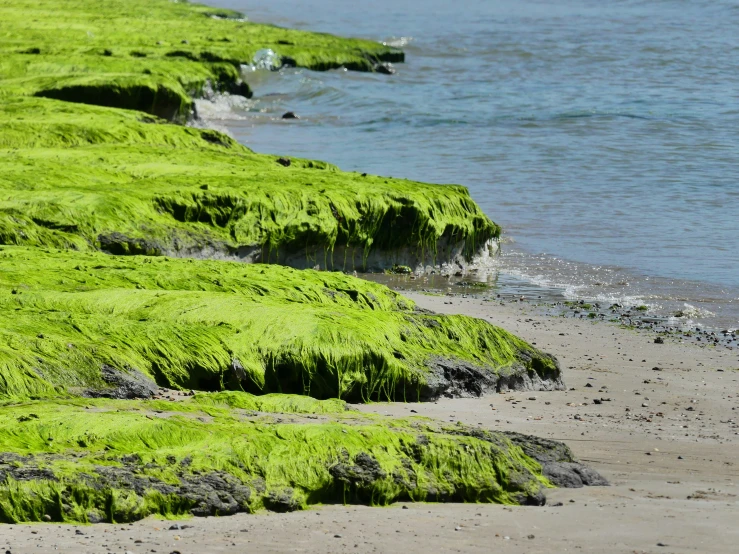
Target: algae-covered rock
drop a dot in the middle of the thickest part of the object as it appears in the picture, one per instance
(94, 324)
(153, 55)
(87, 178)
(117, 461)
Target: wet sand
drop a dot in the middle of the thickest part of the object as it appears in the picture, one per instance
(667, 439)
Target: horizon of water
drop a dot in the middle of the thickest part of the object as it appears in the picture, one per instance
(603, 138)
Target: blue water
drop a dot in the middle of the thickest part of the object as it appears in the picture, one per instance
(604, 137)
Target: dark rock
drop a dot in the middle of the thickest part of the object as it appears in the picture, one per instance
(364, 471)
(287, 61)
(121, 245)
(460, 379)
(217, 138)
(284, 161)
(290, 115)
(282, 501)
(456, 378)
(558, 463)
(659, 340)
(238, 369)
(124, 385)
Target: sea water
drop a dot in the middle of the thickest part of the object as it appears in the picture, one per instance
(602, 136)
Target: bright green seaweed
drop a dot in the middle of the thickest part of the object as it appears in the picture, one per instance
(91, 160)
(103, 460)
(224, 325)
(151, 55)
(86, 177)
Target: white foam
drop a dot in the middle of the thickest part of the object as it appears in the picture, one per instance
(398, 42)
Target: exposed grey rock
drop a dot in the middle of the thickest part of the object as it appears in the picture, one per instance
(124, 385)
(459, 379)
(558, 463)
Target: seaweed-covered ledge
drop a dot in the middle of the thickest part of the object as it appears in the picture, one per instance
(154, 55)
(89, 177)
(101, 460)
(97, 325)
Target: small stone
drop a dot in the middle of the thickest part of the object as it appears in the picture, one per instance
(405, 507)
(531, 537)
(78, 532)
(458, 528)
(661, 544)
(284, 162)
(46, 517)
(597, 401)
(644, 405)
(290, 115)
(659, 340)
(337, 536)
(588, 385)
(174, 527)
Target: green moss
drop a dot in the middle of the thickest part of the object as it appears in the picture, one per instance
(120, 461)
(221, 325)
(151, 54)
(86, 177)
(83, 177)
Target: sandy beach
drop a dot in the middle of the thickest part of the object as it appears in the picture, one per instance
(667, 439)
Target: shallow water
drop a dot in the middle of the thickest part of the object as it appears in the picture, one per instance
(603, 137)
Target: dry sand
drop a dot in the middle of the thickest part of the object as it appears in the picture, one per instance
(667, 440)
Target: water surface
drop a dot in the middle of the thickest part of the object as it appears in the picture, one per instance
(602, 136)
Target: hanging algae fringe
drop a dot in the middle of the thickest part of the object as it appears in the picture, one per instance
(223, 325)
(118, 461)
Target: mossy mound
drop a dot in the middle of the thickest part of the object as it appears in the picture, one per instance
(76, 323)
(86, 177)
(152, 55)
(117, 461)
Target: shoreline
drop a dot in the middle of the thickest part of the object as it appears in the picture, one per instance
(672, 464)
(715, 440)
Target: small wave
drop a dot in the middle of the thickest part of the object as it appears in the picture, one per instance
(222, 107)
(397, 42)
(692, 312)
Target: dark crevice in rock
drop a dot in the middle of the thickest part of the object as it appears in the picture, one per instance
(159, 100)
(121, 245)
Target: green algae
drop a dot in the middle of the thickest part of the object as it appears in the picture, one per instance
(86, 177)
(91, 163)
(209, 325)
(152, 55)
(95, 460)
